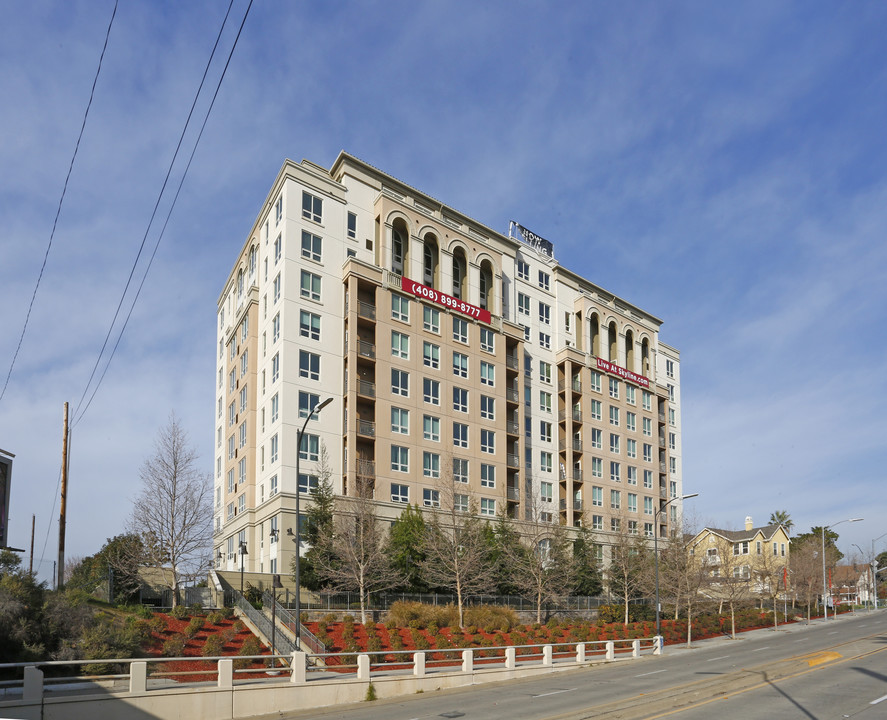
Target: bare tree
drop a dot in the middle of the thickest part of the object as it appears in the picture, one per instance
(806, 570)
(630, 562)
(542, 564)
(681, 573)
(731, 577)
(769, 571)
(172, 514)
(455, 548)
(352, 553)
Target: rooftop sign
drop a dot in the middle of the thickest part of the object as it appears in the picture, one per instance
(532, 239)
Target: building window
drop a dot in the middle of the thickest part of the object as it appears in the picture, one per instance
(400, 493)
(308, 483)
(431, 428)
(312, 207)
(595, 381)
(460, 365)
(400, 458)
(646, 400)
(615, 472)
(597, 496)
(631, 420)
(597, 523)
(400, 382)
(614, 415)
(631, 448)
(671, 441)
(460, 399)
(544, 280)
(614, 443)
(460, 470)
(400, 345)
(526, 333)
(595, 409)
(278, 249)
(648, 506)
(597, 467)
(545, 372)
(460, 503)
(487, 441)
(309, 365)
(544, 431)
(400, 421)
(400, 308)
(242, 434)
(671, 417)
(632, 527)
(309, 325)
(615, 499)
(275, 407)
(672, 465)
(487, 407)
(431, 498)
(431, 391)
(310, 448)
(631, 475)
(648, 452)
(487, 506)
(275, 328)
(275, 367)
(648, 478)
(310, 286)
(311, 246)
(546, 491)
(545, 313)
(352, 226)
(487, 373)
(431, 465)
(523, 270)
(669, 368)
(544, 340)
(274, 448)
(647, 425)
(431, 319)
(545, 461)
(230, 511)
(630, 392)
(431, 355)
(523, 304)
(632, 502)
(307, 403)
(487, 475)
(614, 388)
(544, 401)
(740, 548)
(460, 435)
(273, 486)
(460, 330)
(487, 340)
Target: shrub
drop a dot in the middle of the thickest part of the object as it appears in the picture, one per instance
(303, 617)
(442, 641)
(471, 629)
(195, 609)
(227, 613)
(174, 646)
(321, 627)
(374, 644)
(416, 614)
(179, 612)
(433, 628)
(610, 613)
(144, 612)
(251, 646)
(212, 647)
(238, 627)
(553, 623)
(194, 627)
(330, 618)
(227, 635)
(215, 617)
(157, 624)
(491, 617)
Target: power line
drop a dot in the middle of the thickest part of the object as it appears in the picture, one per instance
(172, 207)
(150, 223)
(61, 200)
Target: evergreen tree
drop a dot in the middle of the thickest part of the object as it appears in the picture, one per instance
(405, 540)
(588, 574)
(318, 523)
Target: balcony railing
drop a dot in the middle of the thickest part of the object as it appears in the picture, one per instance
(366, 388)
(575, 413)
(512, 428)
(366, 468)
(513, 493)
(576, 444)
(577, 474)
(512, 395)
(575, 385)
(511, 362)
(366, 310)
(366, 428)
(512, 460)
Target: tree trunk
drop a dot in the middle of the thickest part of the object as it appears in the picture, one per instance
(732, 621)
(689, 625)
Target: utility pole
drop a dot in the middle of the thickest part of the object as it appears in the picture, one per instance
(31, 562)
(64, 505)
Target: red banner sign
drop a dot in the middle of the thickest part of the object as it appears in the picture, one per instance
(447, 301)
(622, 372)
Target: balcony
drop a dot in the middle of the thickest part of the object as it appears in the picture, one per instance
(512, 493)
(366, 468)
(366, 310)
(512, 395)
(576, 444)
(577, 504)
(366, 388)
(512, 428)
(511, 460)
(575, 385)
(511, 362)
(366, 428)
(576, 414)
(577, 474)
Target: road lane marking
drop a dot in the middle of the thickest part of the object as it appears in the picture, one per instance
(723, 657)
(823, 657)
(801, 640)
(763, 648)
(880, 699)
(553, 692)
(649, 673)
(833, 632)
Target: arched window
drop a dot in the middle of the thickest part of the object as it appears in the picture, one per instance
(460, 266)
(429, 261)
(614, 334)
(240, 283)
(594, 334)
(645, 357)
(629, 350)
(486, 285)
(399, 247)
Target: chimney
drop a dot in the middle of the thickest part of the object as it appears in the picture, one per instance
(748, 523)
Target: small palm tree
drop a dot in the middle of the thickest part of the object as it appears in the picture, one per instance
(781, 517)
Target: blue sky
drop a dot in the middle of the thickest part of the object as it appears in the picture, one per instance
(720, 165)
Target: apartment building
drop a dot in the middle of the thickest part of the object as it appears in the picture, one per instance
(454, 354)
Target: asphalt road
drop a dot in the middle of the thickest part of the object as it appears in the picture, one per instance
(827, 670)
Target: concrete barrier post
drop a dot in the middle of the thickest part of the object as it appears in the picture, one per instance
(510, 658)
(547, 658)
(657, 645)
(467, 661)
(299, 667)
(419, 664)
(226, 673)
(363, 667)
(138, 677)
(32, 691)
(635, 648)
(580, 652)
(611, 649)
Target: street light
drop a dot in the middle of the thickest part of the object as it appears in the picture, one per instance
(857, 586)
(824, 588)
(242, 553)
(875, 569)
(656, 548)
(317, 408)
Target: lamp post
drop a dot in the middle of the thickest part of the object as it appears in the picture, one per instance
(875, 570)
(275, 586)
(242, 553)
(824, 587)
(656, 548)
(317, 408)
(857, 585)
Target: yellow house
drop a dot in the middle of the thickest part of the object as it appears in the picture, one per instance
(752, 561)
